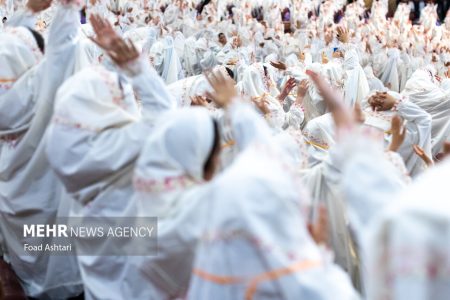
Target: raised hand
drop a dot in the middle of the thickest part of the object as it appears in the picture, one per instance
(382, 101)
(421, 153)
(278, 65)
(288, 87)
(198, 101)
(38, 5)
(342, 34)
(224, 90)
(334, 100)
(121, 52)
(302, 88)
(398, 133)
(105, 35)
(262, 105)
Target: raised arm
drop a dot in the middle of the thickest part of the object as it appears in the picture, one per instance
(27, 16)
(148, 86)
(63, 31)
(368, 181)
(247, 125)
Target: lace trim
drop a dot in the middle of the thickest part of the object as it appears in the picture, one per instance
(68, 123)
(113, 86)
(27, 39)
(167, 184)
(7, 83)
(310, 140)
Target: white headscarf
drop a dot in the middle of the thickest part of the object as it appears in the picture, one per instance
(375, 84)
(247, 251)
(94, 105)
(18, 53)
(91, 101)
(167, 184)
(390, 73)
(166, 60)
(356, 85)
(152, 37)
(165, 169)
(422, 90)
(257, 85)
(408, 248)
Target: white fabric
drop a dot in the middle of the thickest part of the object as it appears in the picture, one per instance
(245, 240)
(426, 94)
(390, 222)
(29, 190)
(97, 117)
(356, 87)
(18, 53)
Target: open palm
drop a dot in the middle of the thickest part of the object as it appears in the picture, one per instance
(105, 36)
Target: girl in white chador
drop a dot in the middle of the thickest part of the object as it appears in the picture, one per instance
(423, 90)
(98, 118)
(30, 193)
(230, 182)
(171, 184)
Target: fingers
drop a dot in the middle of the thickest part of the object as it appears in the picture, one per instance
(304, 84)
(419, 151)
(290, 84)
(447, 148)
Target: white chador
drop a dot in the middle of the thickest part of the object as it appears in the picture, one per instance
(247, 251)
(97, 118)
(169, 184)
(391, 222)
(423, 91)
(258, 84)
(29, 190)
(166, 60)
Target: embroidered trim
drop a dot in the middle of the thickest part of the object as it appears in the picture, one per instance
(255, 281)
(310, 140)
(302, 148)
(378, 115)
(5, 80)
(278, 273)
(68, 123)
(168, 184)
(27, 39)
(266, 79)
(113, 86)
(6, 84)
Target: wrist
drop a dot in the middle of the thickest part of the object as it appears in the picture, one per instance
(135, 67)
(29, 10)
(396, 105)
